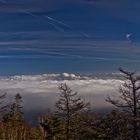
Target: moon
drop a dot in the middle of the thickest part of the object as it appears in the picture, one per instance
(128, 36)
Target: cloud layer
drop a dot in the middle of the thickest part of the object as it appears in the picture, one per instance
(40, 92)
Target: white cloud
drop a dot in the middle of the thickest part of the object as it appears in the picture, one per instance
(41, 91)
(66, 75)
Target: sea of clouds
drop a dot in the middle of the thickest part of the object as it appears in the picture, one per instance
(40, 92)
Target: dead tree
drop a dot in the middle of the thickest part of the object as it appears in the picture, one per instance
(129, 99)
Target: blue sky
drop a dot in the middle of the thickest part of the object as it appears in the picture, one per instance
(39, 36)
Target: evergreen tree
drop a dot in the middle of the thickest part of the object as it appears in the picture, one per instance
(14, 126)
(3, 107)
(16, 112)
(53, 127)
(114, 126)
(68, 105)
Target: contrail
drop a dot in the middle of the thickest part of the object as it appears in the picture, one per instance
(66, 25)
(56, 27)
(28, 13)
(58, 21)
(85, 35)
(57, 53)
(51, 19)
(35, 16)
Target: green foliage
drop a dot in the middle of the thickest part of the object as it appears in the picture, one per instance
(35, 133)
(53, 127)
(15, 113)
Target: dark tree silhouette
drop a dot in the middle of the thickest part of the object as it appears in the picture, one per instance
(3, 107)
(68, 105)
(53, 127)
(114, 126)
(16, 112)
(130, 99)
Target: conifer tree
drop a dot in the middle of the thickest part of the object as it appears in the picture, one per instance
(68, 105)
(16, 112)
(3, 107)
(53, 127)
(13, 122)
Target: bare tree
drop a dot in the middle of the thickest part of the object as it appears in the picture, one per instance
(68, 105)
(130, 99)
